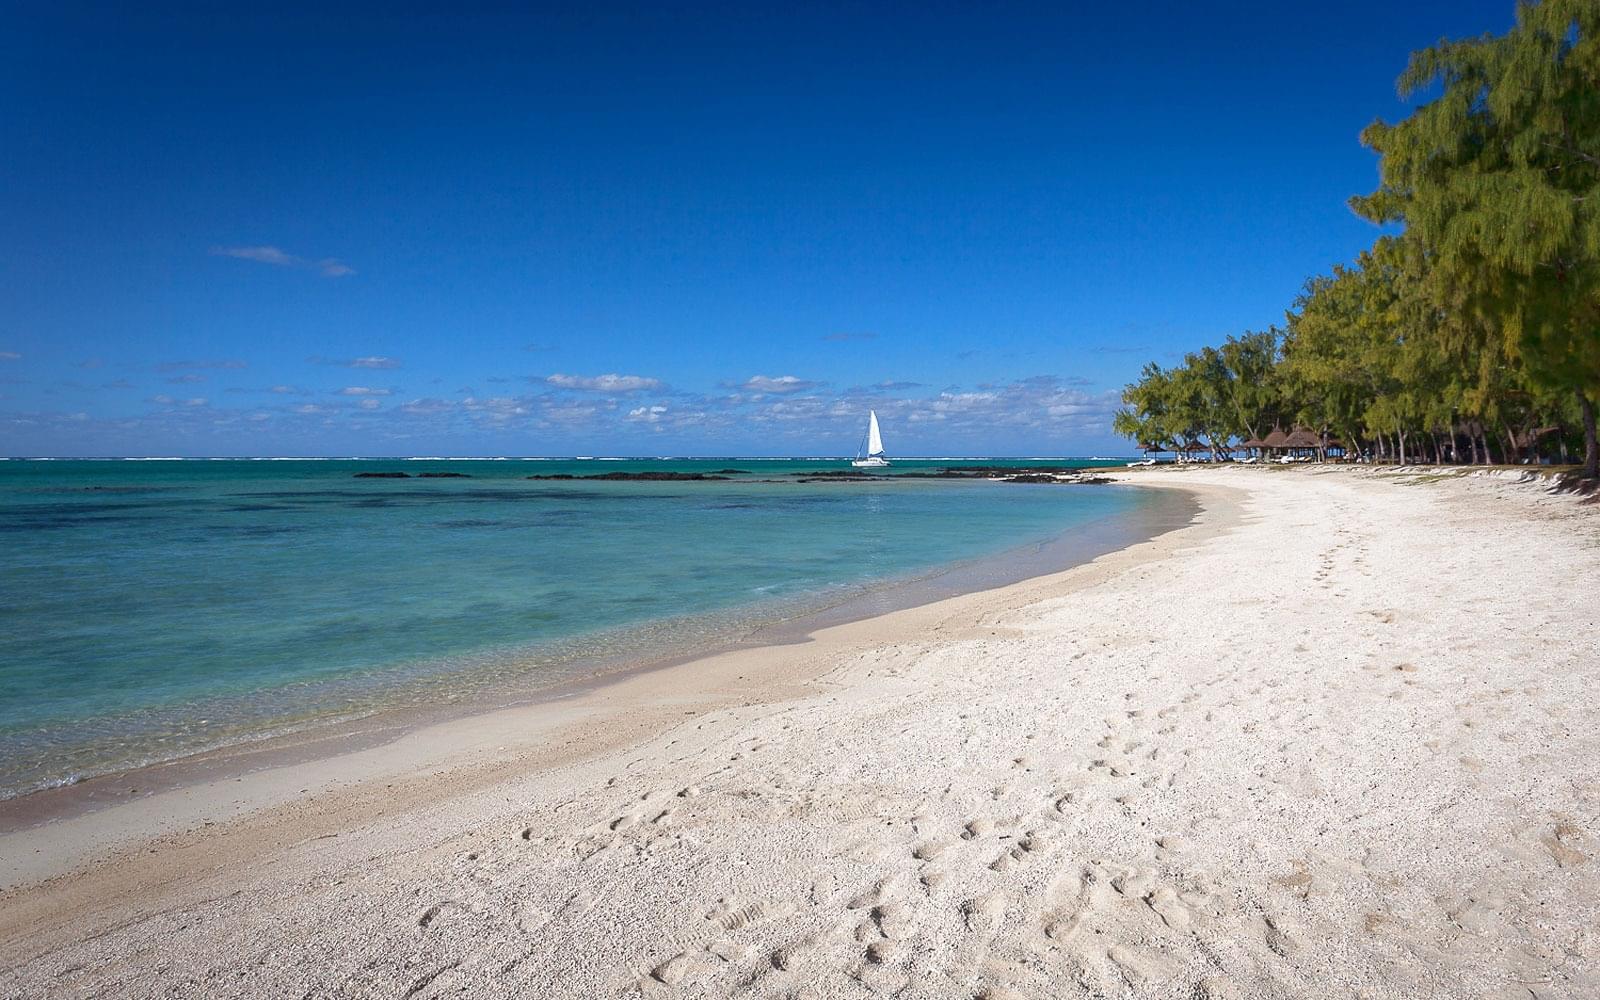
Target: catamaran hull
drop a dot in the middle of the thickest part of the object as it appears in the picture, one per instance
(871, 463)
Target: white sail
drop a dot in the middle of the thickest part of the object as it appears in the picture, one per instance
(874, 443)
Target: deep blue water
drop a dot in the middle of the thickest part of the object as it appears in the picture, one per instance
(150, 609)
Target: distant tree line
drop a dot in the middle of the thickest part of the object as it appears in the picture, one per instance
(1474, 334)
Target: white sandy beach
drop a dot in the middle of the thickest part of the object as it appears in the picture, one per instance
(1339, 738)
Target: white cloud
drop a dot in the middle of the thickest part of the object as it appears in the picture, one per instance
(1037, 412)
(779, 385)
(647, 414)
(426, 407)
(10, 356)
(374, 361)
(612, 383)
(328, 267)
(261, 255)
(163, 399)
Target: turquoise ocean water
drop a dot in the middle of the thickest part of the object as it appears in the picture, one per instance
(150, 609)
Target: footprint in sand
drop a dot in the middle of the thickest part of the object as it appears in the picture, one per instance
(1171, 909)
(976, 828)
(997, 993)
(1031, 843)
(1278, 942)
(432, 913)
(1141, 966)
(789, 957)
(929, 850)
(982, 914)
(673, 970)
(730, 916)
(1561, 841)
(872, 897)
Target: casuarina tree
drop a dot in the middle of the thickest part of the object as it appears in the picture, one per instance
(1498, 178)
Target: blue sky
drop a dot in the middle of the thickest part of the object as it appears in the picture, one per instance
(726, 231)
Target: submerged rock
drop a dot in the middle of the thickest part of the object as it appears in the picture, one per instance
(1004, 473)
(383, 475)
(648, 477)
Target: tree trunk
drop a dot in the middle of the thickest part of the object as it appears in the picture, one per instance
(1591, 447)
(1438, 449)
(1401, 435)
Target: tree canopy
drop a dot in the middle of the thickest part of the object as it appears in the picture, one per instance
(1480, 323)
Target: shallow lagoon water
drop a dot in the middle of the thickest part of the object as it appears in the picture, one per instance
(154, 609)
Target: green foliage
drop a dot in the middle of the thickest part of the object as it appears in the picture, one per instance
(1215, 395)
(1483, 319)
(1498, 178)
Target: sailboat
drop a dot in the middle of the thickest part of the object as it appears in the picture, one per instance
(874, 446)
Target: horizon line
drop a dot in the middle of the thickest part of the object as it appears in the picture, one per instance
(531, 458)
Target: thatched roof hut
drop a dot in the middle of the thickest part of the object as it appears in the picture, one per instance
(1300, 438)
(1276, 439)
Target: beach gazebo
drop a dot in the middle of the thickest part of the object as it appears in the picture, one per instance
(1190, 448)
(1301, 442)
(1253, 444)
(1217, 450)
(1276, 440)
(1306, 442)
